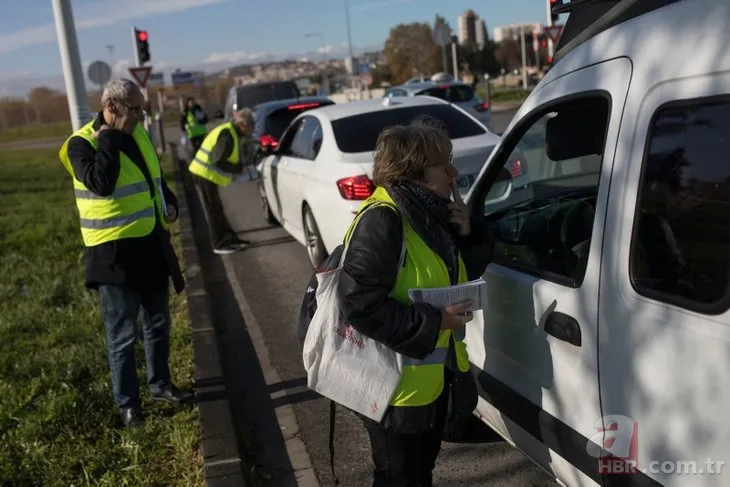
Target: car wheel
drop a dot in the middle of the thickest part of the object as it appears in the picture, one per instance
(265, 207)
(315, 245)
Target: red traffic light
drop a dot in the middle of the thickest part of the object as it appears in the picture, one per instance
(142, 35)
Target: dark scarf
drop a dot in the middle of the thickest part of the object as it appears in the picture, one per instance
(428, 214)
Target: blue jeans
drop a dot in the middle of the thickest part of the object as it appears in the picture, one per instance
(120, 307)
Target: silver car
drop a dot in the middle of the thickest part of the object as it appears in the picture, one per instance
(456, 92)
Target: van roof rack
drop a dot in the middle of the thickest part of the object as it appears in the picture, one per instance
(589, 18)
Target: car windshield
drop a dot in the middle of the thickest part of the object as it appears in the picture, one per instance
(277, 121)
(252, 95)
(359, 133)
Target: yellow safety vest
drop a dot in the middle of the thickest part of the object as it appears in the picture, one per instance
(193, 127)
(201, 164)
(129, 211)
(423, 380)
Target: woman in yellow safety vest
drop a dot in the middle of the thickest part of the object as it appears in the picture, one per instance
(414, 179)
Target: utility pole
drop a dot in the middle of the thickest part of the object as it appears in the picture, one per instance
(524, 57)
(349, 43)
(110, 48)
(68, 46)
(454, 53)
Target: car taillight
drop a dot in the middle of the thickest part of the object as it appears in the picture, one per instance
(268, 141)
(355, 187)
(516, 168)
(482, 107)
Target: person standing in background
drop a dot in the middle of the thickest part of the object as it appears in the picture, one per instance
(192, 124)
(223, 156)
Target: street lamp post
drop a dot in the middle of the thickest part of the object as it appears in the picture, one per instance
(325, 73)
(78, 101)
(349, 43)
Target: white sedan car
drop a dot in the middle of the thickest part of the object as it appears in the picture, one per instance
(316, 180)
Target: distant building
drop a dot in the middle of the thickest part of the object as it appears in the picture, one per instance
(472, 30)
(512, 31)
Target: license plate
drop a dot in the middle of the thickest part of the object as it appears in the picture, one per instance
(464, 182)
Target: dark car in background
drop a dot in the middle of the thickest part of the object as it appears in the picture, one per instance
(250, 95)
(273, 117)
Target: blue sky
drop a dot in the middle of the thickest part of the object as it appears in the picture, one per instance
(214, 33)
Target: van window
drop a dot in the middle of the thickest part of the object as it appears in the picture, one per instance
(248, 96)
(680, 251)
(542, 205)
(450, 93)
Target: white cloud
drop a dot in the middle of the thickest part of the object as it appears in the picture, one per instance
(98, 14)
(234, 57)
(380, 4)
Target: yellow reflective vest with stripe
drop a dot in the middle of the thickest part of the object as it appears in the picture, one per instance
(193, 127)
(423, 380)
(202, 166)
(129, 211)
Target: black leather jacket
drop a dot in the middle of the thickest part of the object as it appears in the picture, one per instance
(370, 270)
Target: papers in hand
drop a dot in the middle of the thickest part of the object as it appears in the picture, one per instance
(444, 296)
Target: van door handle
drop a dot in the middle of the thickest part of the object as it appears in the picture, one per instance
(563, 327)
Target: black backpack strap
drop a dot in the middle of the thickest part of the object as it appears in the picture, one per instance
(333, 406)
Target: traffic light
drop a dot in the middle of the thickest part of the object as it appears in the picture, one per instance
(143, 46)
(553, 16)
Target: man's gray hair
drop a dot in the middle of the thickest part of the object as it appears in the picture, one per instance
(244, 115)
(119, 90)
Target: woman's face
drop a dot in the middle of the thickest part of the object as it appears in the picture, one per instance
(439, 178)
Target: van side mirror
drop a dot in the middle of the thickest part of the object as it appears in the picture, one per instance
(501, 189)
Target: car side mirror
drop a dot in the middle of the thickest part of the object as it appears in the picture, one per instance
(501, 189)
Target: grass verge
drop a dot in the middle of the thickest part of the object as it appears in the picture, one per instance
(36, 132)
(58, 423)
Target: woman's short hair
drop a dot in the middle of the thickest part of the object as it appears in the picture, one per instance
(403, 152)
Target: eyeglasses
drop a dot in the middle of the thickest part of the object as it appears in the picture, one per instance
(137, 111)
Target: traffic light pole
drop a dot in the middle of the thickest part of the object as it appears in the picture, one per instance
(78, 101)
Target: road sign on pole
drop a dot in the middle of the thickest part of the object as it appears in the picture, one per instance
(141, 74)
(441, 35)
(366, 79)
(100, 73)
(554, 32)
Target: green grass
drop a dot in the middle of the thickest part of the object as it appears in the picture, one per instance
(34, 132)
(58, 422)
(501, 95)
(59, 130)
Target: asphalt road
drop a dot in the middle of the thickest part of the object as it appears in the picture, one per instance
(273, 275)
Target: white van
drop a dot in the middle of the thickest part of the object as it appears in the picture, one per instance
(607, 330)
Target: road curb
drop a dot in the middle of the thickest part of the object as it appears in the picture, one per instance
(222, 458)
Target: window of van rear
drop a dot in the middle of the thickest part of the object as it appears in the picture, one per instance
(450, 93)
(252, 95)
(359, 133)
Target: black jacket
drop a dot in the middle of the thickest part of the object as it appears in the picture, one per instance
(143, 263)
(367, 279)
(184, 117)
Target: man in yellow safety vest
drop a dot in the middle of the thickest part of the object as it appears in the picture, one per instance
(224, 154)
(125, 208)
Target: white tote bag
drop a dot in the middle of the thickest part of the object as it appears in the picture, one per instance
(344, 365)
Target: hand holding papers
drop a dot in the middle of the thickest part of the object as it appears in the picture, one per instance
(474, 291)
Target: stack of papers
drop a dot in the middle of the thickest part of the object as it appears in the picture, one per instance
(440, 297)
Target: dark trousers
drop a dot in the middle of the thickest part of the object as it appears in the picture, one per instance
(196, 142)
(407, 459)
(121, 307)
(220, 228)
